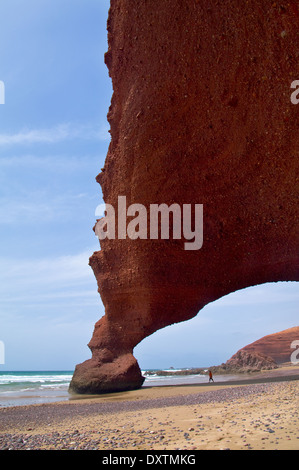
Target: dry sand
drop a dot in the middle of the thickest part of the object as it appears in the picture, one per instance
(260, 413)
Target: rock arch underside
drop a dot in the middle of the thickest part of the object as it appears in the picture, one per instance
(200, 114)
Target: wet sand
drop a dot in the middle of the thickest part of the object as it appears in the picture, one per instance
(257, 412)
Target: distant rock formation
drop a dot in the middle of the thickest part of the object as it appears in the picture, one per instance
(244, 361)
(201, 113)
(264, 354)
(180, 372)
(277, 345)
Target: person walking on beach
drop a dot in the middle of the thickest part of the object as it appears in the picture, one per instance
(210, 377)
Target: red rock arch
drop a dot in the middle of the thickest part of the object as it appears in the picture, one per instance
(201, 114)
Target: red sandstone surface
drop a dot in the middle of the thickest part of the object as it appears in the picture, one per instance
(249, 361)
(277, 346)
(200, 114)
(264, 354)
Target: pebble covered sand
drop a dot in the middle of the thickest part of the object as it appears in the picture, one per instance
(258, 416)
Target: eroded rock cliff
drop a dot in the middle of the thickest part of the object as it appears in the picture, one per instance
(278, 346)
(245, 361)
(200, 114)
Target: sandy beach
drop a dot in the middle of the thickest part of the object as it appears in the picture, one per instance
(259, 413)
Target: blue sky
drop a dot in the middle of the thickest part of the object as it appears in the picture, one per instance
(53, 142)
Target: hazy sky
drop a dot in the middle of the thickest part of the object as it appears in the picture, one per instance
(53, 142)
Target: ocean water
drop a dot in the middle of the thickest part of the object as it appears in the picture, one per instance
(33, 387)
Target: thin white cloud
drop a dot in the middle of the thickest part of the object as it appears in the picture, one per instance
(59, 133)
(57, 279)
(53, 163)
(22, 195)
(280, 292)
(70, 267)
(38, 207)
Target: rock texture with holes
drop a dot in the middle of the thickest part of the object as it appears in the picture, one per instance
(201, 114)
(245, 361)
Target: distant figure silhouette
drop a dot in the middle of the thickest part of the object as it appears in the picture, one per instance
(211, 376)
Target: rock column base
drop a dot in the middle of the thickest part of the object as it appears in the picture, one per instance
(92, 377)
